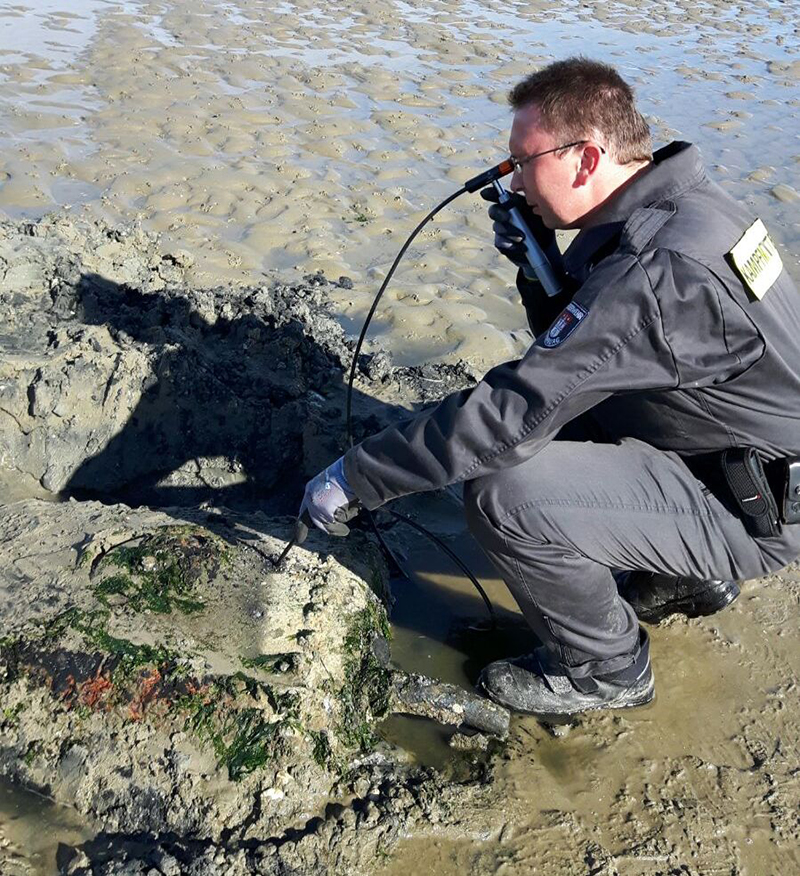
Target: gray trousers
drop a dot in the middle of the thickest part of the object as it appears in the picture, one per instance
(556, 525)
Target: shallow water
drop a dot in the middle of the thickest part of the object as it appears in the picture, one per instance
(31, 829)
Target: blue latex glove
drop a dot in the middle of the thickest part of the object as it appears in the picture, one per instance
(329, 501)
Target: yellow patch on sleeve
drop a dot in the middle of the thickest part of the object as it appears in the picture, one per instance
(756, 260)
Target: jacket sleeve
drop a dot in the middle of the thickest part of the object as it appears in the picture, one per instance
(618, 345)
(711, 336)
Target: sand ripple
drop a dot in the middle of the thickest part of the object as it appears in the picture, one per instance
(300, 136)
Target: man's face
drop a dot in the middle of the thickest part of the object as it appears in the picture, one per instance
(551, 183)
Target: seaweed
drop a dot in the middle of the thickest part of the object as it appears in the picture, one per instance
(251, 745)
(92, 626)
(273, 663)
(10, 715)
(321, 749)
(243, 739)
(35, 748)
(364, 696)
(160, 573)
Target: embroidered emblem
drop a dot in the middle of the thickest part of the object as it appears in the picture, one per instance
(566, 323)
(756, 260)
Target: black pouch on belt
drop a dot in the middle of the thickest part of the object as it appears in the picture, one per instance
(744, 474)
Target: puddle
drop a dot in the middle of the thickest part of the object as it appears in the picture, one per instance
(48, 28)
(31, 829)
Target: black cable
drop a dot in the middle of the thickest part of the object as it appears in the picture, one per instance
(368, 320)
(453, 556)
(349, 423)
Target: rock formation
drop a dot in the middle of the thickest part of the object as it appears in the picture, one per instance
(157, 671)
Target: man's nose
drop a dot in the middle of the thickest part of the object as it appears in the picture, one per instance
(516, 181)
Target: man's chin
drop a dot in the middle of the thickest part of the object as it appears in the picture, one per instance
(549, 222)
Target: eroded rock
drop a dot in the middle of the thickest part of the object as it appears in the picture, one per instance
(160, 675)
(157, 672)
(117, 380)
(140, 685)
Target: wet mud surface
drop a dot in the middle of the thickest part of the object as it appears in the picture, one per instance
(705, 778)
(701, 781)
(301, 138)
(159, 673)
(265, 146)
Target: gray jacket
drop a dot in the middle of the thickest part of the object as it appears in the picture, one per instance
(661, 341)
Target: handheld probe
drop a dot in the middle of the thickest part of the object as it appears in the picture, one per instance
(537, 260)
(300, 534)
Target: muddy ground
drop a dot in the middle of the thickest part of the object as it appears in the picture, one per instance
(189, 699)
(297, 136)
(704, 779)
(265, 145)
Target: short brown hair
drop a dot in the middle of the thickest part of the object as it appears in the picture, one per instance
(579, 98)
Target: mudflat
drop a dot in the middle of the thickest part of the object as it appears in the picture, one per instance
(303, 137)
(266, 143)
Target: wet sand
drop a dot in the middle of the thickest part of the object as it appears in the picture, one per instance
(701, 781)
(301, 138)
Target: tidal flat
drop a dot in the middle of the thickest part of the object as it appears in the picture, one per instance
(265, 143)
(297, 137)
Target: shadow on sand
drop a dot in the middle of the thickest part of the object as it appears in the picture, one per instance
(238, 413)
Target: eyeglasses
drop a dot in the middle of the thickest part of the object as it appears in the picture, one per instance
(519, 163)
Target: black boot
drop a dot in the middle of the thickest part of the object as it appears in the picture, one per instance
(534, 684)
(654, 597)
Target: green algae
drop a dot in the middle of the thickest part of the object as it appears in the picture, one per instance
(161, 572)
(131, 656)
(272, 663)
(92, 625)
(33, 751)
(252, 742)
(321, 749)
(243, 739)
(10, 715)
(364, 696)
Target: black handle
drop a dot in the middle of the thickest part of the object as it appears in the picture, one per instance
(301, 528)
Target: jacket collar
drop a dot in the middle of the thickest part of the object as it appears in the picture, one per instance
(675, 169)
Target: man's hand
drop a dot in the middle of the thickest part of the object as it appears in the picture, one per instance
(507, 237)
(329, 501)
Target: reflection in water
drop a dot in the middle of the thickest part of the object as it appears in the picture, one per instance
(31, 829)
(424, 740)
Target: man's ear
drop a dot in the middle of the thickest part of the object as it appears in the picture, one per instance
(590, 159)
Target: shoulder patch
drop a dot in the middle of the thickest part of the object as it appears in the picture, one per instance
(756, 260)
(566, 323)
